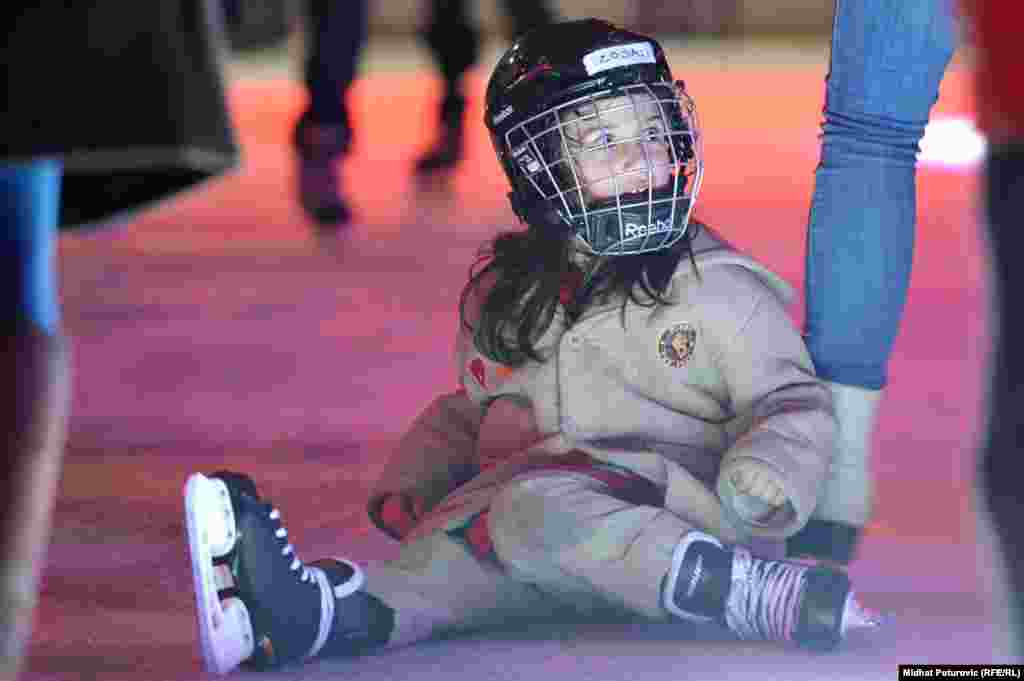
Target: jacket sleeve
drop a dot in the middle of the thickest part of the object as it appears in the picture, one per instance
(436, 455)
(772, 385)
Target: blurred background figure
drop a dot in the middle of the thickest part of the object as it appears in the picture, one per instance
(994, 28)
(689, 17)
(455, 44)
(336, 31)
(127, 108)
(256, 24)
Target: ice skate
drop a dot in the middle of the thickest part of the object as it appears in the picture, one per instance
(757, 599)
(320, 149)
(256, 602)
(320, 193)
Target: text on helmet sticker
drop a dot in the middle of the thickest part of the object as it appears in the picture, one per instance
(620, 55)
(526, 160)
(502, 115)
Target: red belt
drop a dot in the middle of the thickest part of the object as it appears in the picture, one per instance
(622, 484)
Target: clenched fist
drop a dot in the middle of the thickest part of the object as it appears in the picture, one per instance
(760, 481)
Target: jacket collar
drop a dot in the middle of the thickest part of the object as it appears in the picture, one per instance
(711, 250)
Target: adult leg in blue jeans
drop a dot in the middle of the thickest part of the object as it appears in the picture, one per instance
(888, 58)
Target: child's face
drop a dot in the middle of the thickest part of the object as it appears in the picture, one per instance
(619, 148)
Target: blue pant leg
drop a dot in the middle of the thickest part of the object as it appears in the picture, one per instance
(30, 196)
(888, 58)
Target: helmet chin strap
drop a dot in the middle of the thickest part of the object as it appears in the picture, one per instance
(536, 212)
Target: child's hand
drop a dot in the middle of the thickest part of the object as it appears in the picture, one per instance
(399, 513)
(760, 481)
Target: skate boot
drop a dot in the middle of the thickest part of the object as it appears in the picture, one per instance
(813, 607)
(447, 150)
(320, 193)
(319, 149)
(257, 603)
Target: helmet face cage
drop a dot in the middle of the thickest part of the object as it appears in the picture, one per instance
(615, 206)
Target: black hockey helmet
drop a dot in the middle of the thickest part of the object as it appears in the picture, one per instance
(618, 87)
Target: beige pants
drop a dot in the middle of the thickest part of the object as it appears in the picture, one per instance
(565, 547)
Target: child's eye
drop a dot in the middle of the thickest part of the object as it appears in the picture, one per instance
(598, 138)
(652, 134)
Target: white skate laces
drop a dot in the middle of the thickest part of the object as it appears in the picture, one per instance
(317, 578)
(764, 602)
(766, 598)
(296, 565)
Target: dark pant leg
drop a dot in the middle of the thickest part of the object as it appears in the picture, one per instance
(453, 41)
(337, 31)
(1002, 466)
(526, 15)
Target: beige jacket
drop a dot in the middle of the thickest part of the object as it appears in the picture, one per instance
(679, 395)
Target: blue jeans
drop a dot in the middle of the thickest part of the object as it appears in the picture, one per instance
(30, 195)
(888, 58)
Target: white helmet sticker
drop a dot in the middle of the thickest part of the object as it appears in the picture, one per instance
(620, 55)
(527, 161)
(502, 115)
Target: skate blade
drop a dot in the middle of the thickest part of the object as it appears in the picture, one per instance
(856, 616)
(225, 630)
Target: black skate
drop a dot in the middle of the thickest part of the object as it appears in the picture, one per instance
(320, 149)
(757, 599)
(257, 603)
(320, 193)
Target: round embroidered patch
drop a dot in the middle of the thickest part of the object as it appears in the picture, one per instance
(676, 344)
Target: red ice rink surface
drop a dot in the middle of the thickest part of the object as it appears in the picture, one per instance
(219, 331)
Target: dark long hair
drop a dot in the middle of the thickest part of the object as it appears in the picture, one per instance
(528, 269)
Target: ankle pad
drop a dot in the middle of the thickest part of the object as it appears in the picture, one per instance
(361, 622)
(351, 621)
(698, 583)
(823, 539)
